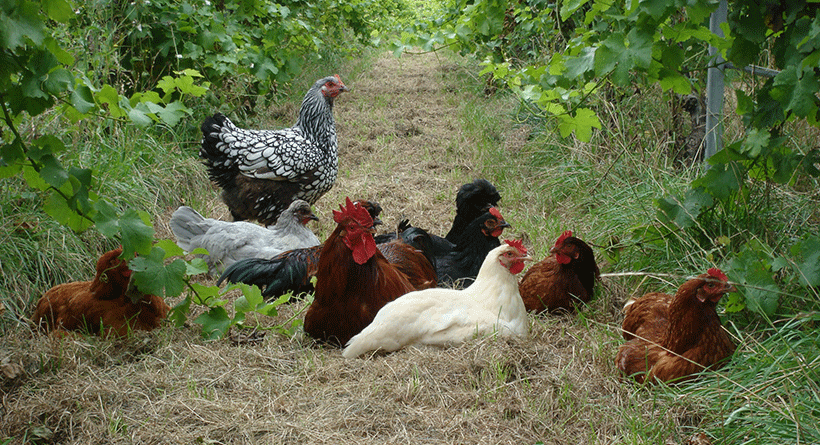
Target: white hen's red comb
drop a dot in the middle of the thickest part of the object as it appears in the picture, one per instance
(518, 244)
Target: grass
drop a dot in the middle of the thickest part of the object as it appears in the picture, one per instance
(559, 385)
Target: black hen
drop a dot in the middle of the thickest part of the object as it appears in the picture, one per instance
(472, 200)
(262, 171)
(457, 264)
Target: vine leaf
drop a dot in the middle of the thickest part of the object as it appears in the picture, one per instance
(807, 261)
(152, 276)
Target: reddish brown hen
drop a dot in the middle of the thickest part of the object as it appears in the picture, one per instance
(563, 280)
(353, 279)
(411, 262)
(671, 338)
(104, 306)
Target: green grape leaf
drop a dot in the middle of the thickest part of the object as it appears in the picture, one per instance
(807, 261)
(137, 233)
(58, 10)
(215, 323)
(153, 276)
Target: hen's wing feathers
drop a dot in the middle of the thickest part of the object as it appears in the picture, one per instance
(289, 271)
(647, 317)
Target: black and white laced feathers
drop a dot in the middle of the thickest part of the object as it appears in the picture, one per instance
(262, 171)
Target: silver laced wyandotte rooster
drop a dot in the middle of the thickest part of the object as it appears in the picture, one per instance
(262, 171)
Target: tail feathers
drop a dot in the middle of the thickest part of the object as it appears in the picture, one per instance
(211, 128)
(372, 338)
(420, 240)
(274, 276)
(358, 345)
(390, 236)
(404, 225)
(187, 224)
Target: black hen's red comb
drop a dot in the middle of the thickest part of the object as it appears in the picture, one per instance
(563, 238)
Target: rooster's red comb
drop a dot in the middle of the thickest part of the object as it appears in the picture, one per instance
(518, 244)
(717, 273)
(353, 211)
(563, 237)
(494, 211)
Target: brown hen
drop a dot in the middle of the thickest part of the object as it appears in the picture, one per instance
(671, 338)
(107, 305)
(563, 280)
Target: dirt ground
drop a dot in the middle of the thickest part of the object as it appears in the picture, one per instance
(400, 144)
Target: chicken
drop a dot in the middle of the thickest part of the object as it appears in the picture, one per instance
(458, 263)
(444, 317)
(228, 242)
(670, 338)
(108, 305)
(262, 171)
(411, 261)
(291, 270)
(563, 280)
(353, 280)
(472, 200)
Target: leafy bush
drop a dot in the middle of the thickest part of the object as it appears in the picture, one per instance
(143, 66)
(564, 59)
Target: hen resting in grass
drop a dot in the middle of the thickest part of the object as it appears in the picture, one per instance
(671, 338)
(444, 317)
(110, 304)
(228, 242)
(563, 280)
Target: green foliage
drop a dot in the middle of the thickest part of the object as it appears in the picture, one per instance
(593, 45)
(217, 321)
(261, 42)
(165, 55)
(762, 402)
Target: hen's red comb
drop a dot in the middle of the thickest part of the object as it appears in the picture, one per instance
(494, 211)
(563, 237)
(717, 273)
(518, 244)
(354, 211)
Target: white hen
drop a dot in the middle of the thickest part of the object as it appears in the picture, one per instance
(443, 317)
(228, 242)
